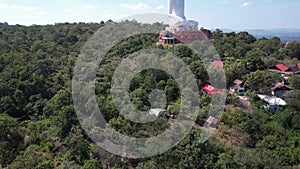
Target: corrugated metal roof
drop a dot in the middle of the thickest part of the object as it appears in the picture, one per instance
(237, 82)
(272, 100)
(211, 90)
(218, 63)
(282, 67)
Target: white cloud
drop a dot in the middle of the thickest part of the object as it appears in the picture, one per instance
(224, 2)
(23, 8)
(14, 13)
(3, 6)
(159, 7)
(139, 6)
(18, 7)
(91, 7)
(246, 4)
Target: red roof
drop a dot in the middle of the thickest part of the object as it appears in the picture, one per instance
(212, 120)
(280, 86)
(282, 67)
(211, 90)
(218, 63)
(238, 82)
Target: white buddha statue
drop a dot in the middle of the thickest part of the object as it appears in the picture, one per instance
(178, 20)
(176, 9)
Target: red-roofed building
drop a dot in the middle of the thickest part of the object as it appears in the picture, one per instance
(280, 89)
(294, 70)
(211, 90)
(237, 87)
(238, 82)
(285, 69)
(212, 121)
(181, 37)
(218, 63)
(281, 67)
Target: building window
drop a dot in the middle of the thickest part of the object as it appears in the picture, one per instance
(169, 41)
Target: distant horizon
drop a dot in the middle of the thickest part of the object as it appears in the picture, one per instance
(230, 14)
(221, 28)
(285, 34)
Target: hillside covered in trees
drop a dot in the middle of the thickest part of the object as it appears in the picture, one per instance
(39, 127)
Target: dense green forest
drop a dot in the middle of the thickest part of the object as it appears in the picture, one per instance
(39, 127)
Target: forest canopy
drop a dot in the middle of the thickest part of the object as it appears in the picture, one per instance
(40, 129)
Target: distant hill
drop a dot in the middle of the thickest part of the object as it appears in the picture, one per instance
(285, 34)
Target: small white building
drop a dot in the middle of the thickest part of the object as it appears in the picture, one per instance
(212, 121)
(273, 102)
(156, 111)
(237, 87)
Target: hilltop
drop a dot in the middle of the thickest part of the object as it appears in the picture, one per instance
(40, 129)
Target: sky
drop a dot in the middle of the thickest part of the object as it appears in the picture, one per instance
(211, 14)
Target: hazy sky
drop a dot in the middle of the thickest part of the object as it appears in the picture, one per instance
(234, 14)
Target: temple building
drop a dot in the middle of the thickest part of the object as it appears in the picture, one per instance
(180, 30)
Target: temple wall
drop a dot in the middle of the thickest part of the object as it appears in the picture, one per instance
(184, 37)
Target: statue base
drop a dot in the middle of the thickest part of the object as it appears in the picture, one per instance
(178, 24)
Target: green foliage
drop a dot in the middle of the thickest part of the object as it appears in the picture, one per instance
(293, 100)
(295, 82)
(232, 44)
(33, 157)
(234, 69)
(253, 60)
(261, 81)
(92, 164)
(78, 148)
(11, 140)
(293, 50)
(269, 46)
(39, 127)
(234, 117)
